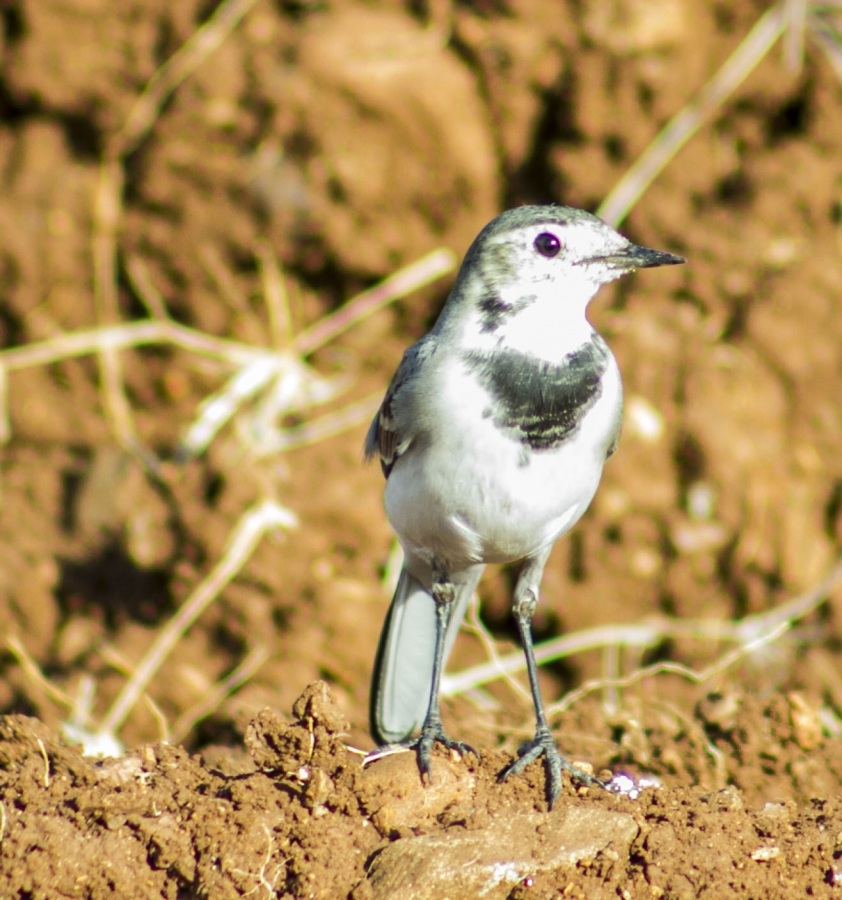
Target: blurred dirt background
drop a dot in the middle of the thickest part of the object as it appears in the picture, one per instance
(343, 140)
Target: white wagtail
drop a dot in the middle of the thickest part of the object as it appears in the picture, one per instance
(492, 437)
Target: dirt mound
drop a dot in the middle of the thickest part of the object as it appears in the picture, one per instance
(301, 817)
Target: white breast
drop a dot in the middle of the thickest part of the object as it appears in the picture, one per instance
(468, 493)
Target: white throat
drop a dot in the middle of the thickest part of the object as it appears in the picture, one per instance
(550, 327)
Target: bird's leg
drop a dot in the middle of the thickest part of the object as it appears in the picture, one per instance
(526, 599)
(444, 594)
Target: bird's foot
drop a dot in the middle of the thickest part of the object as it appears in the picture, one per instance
(543, 745)
(432, 733)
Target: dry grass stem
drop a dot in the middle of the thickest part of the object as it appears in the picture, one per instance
(144, 288)
(828, 36)
(262, 881)
(794, 20)
(795, 24)
(287, 382)
(77, 728)
(476, 626)
(272, 440)
(109, 198)
(123, 337)
(97, 737)
(749, 634)
(264, 517)
(5, 420)
(223, 689)
(275, 297)
(36, 676)
(686, 123)
(672, 668)
(175, 71)
(225, 283)
(107, 212)
(414, 276)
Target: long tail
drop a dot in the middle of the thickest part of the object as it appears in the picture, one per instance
(403, 667)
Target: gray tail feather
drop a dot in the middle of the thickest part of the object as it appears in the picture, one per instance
(403, 667)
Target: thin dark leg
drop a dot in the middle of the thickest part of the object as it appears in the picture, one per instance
(432, 732)
(526, 599)
(444, 595)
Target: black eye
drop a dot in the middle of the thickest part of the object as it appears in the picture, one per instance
(547, 244)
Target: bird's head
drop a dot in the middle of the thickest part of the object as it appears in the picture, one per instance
(542, 265)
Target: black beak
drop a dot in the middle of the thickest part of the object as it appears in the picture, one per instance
(634, 257)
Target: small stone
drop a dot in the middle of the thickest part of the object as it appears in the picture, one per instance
(491, 861)
(393, 795)
(765, 854)
(805, 720)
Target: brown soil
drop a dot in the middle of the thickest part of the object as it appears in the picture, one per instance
(351, 139)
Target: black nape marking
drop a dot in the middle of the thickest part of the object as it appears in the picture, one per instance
(494, 310)
(538, 403)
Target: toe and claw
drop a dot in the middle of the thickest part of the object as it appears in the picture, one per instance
(431, 734)
(543, 745)
(424, 743)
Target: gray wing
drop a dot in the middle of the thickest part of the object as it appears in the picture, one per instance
(395, 427)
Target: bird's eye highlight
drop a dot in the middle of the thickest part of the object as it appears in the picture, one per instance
(547, 244)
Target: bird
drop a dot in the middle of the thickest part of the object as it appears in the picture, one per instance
(492, 438)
